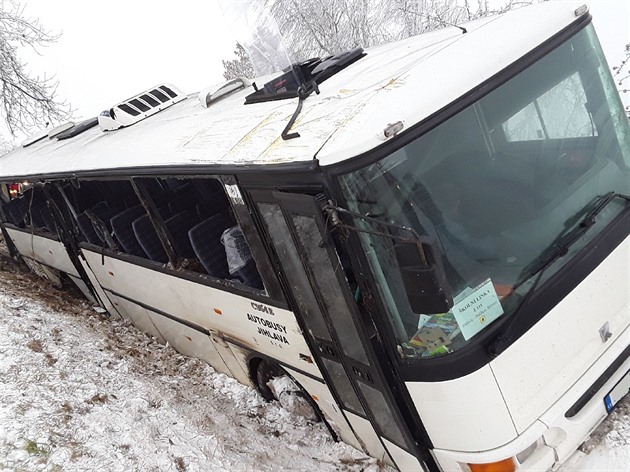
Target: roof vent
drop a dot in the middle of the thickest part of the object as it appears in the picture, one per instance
(212, 94)
(140, 107)
(53, 133)
(36, 137)
(78, 129)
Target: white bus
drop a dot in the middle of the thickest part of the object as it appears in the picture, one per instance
(429, 238)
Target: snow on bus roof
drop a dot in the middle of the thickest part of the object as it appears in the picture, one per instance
(406, 82)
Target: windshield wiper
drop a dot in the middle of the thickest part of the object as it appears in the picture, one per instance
(585, 219)
(573, 232)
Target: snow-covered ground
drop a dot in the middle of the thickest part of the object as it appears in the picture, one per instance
(82, 392)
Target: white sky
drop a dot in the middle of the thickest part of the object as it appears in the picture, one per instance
(109, 51)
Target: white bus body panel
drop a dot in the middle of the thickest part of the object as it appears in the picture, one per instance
(566, 434)
(561, 436)
(104, 300)
(277, 335)
(546, 362)
(465, 414)
(327, 404)
(45, 250)
(370, 440)
(48, 253)
(137, 315)
(538, 379)
(190, 342)
(402, 458)
(540, 461)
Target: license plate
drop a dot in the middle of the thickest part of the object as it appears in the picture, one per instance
(617, 393)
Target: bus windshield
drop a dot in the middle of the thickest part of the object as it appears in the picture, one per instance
(497, 186)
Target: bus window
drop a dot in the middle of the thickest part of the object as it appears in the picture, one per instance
(497, 193)
(560, 112)
(198, 229)
(218, 239)
(94, 204)
(24, 206)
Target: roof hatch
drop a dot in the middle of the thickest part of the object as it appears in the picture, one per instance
(212, 94)
(301, 79)
(140, 107)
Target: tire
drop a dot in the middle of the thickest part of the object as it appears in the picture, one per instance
(274, 383)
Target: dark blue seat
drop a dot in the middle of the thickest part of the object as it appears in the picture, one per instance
(148, 238)
(205, 239)
(186, 200)
(42, 219)
(122, 227)
(212, 206)
(36, 216)
(87, 229)
(48, 219)
(102, 212)
(208, 188)
(178, 226)
(18, 211)
(176, 185)
(6, 207)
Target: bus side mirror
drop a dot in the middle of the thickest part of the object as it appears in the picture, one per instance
(423, 276)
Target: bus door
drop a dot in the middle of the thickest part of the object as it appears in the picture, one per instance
(320, 291)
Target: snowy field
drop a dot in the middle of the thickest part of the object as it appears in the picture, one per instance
(81, 392)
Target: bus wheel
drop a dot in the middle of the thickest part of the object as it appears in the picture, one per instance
(275, 384)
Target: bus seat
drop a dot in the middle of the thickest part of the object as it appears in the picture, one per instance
(100, 208)
(105, 213)
(208, 188)
(48, 219)
(250, 276)
(42, 219)
(177, 185)
(205, 239)
(87, 229)
(148, 238)
(178, 226)
(36, 216)
(185, 201)
(212, 206)
(18, 211)
(123, 230)
(6, 210)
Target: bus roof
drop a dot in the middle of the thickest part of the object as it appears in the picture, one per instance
(406, 82)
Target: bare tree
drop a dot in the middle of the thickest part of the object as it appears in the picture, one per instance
(25, 101)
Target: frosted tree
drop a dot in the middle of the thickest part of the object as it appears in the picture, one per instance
(5, 147)
(621, 74)
(317, 28)
(26, 101)
(312, 28)
(239, 67)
